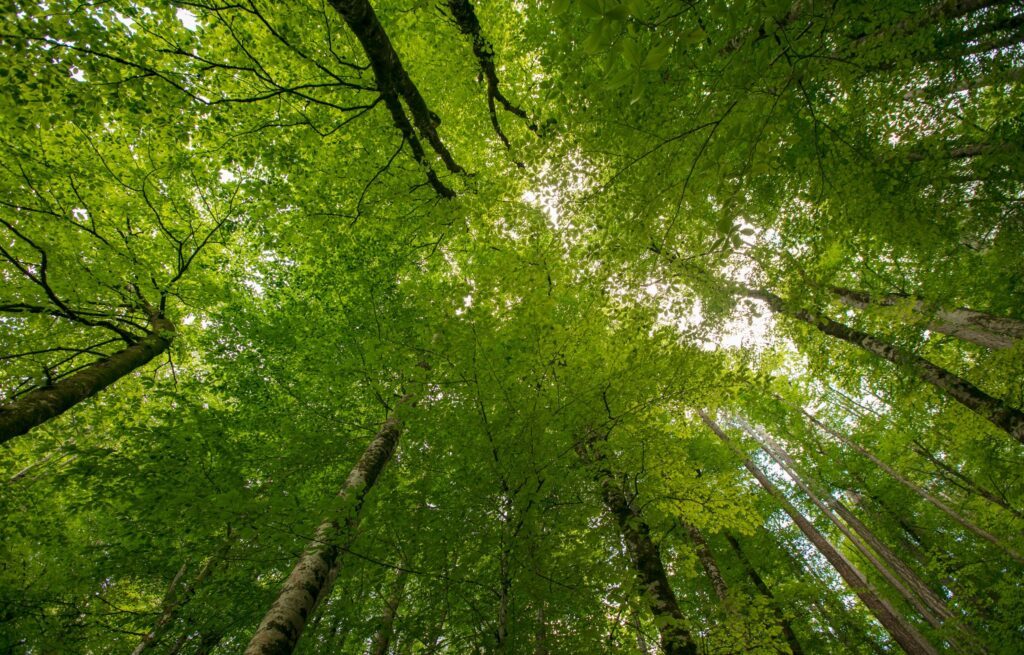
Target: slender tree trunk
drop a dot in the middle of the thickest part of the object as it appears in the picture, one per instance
(986, 330)
(36, 407)
(762, 588)
(641, 640)
(957, 478)
(900, 576)
(396, 86)
(501, 634)
(311, 579)
(540, 633)
(1006, 418)
(177, 597)
(646, 556)
(902, 631)
(707, 561)
(167, 607)
(382, 639)
(925, 495)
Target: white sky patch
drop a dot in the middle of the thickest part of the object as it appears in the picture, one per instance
(188, 19)
(546, 202)
(77, 74)
(226, 176)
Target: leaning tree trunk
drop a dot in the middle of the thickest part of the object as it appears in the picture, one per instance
(382, 639)
(900, 576)
(1006, 418)
(707, 561)
(176, 597)
(901, 630)
(646, 556)
(986, 330)
(923, 494)
(36, 407)
(762, 588)
(311, 579)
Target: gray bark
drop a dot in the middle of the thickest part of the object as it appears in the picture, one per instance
(40, 405)
(922, 493)
(764, 590)
(902, 632)
(382, 639)
(313, 576)
(707, 561)
(646, 556)
(1004, 417)
(980, 328)
(900, 576)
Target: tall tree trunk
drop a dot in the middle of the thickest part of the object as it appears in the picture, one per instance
(923, 494)
(986, 330)
(646, 556)
(540, 632)
(311, 579)
(1001, 415)
(396, 86)
(900, 576)
(36, 407)
(707, 561)
(957, 478)
(641, 640)
(382, 638)
(167, 607)
(176, 597)
(762, 588)
(501, 633)
(902, 631)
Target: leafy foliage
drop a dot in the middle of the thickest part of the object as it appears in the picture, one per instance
(631, 180)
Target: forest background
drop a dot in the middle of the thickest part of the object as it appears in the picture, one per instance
(510, 327)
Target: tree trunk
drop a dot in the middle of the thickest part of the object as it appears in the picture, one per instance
(707, 561)
(311, 579)
(540, 632)
(925, 495)
(902, 632)
(382, 639)
(501, 634)
(956, 478)
(986, 330)
(173, 600)
(36, 407)
(762, 588)
(900, 576)
(646, 556)
(395, 85)
(1006, 418)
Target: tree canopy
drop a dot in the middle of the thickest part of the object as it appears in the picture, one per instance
(444, 327)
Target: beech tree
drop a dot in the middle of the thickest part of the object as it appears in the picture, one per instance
(617, 326)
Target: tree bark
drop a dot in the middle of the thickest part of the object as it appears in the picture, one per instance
(707, 561)
(465, 17)
(36, 407)
(382, 639)
(1004, 417)
(902, 632)
(311, 579)
(923, 494)
(646, 556)
(900, 576)
(762, 588)
(395, 85)
(980, 328)
(956, 478)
